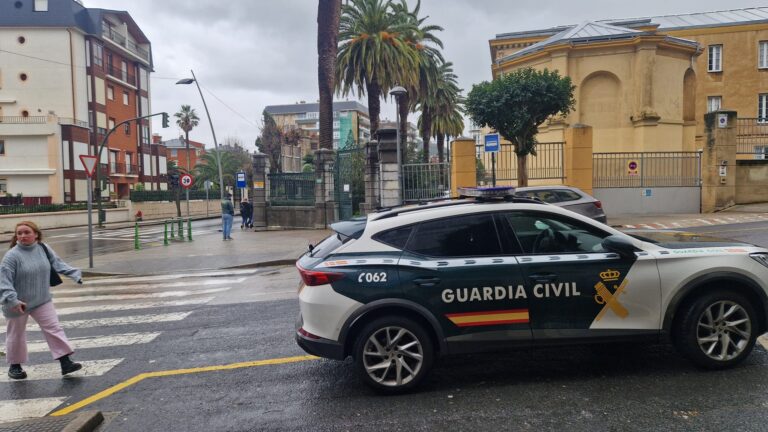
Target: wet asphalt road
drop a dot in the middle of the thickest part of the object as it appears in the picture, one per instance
(752, 232)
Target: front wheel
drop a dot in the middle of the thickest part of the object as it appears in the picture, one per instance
(393, 355)
(717, 331)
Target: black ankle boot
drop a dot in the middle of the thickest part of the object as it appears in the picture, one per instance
(16, 372)
(68, 366)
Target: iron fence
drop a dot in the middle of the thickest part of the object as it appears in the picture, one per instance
(46, 208)
(426, 181)
(646, 169)
(752, 137)
(292, 189)
(547, 164)
(170, 195)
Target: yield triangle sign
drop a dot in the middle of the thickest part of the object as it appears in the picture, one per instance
(89, 162)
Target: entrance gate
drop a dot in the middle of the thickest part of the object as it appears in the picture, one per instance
(349, 181)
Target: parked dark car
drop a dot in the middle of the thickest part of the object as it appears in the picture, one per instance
(567, 197)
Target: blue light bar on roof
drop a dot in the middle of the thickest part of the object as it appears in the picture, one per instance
(487, 192)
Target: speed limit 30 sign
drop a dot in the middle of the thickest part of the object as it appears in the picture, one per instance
(186, 181)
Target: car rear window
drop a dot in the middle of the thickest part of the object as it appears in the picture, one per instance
(327, 246)
(567, 195)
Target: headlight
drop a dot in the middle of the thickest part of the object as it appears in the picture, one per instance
(760, 257)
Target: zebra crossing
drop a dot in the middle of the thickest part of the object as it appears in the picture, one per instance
(146, 233)
(109, 315)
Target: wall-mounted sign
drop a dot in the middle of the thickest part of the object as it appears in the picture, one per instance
(632, 167)
(722, 120)
(258, 185)
(723, 170)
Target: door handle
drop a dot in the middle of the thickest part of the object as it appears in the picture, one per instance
(543, 277)
(426, 282)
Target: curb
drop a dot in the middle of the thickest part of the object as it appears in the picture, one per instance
(86, 421)
(275, 263)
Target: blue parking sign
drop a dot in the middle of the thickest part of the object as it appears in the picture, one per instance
(241, 179)
(491, 143)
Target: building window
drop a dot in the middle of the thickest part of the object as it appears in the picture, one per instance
(111, 123)
(762, 55)
(126, 98)
(173, 152)
(761, 152)
(715, 61)
(41, 5)
(110, 93)
(3, 186)
(336, 135)
(2, 148)
(21, 39)
(762, 108)
(335, 125)
(127, 128)
(313, 115)
(98, 52)
(714, 103)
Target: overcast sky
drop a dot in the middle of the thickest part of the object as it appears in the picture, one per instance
(248, 54)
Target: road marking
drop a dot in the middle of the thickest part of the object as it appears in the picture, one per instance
(22, 409)
(123, 280)
(122, 307)
(91, 368)
(138, 378)
(161, 294)
(763, 340)
(114, 321)
(96, 288)
(99, 341)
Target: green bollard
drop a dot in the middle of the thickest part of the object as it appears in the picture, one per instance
(181, 229)
(165, 233)
(136, 244)
(173, 230)
(189, 229)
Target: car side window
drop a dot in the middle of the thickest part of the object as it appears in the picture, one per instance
(461, 236)
(539, 233)
(567, 195)
(547, 196)
(397, 237)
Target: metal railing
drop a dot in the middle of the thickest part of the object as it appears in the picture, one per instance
(646, 169)
(121, 40)
(170, 195)
(547, 164)
(292, 189)
(121, 74)
(24, 119)
(752, 136)
(426, 181)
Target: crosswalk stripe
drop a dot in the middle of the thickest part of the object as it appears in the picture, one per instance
(129, 306)
(91, 368)
(22, 409)
(99, 341)
(161, 294)
(114, 321)
(122, 280)
(190, 284)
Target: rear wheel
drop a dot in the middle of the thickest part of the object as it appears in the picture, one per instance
(393, 354)
(718, 330)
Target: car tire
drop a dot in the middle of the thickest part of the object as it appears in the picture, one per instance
(392, 366)
(717, 330)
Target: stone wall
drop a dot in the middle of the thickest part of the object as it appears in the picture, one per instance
(751, 181)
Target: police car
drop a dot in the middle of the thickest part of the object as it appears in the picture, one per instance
(404, 285)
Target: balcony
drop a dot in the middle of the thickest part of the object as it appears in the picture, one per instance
(73, 122)
(24, 119)
(121, 74)
(121, 40)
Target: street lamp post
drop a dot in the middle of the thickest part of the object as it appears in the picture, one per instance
(215, 143)
(398, 91)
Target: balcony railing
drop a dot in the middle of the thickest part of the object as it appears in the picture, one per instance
(121, 40)
(122, 74)
(74, 122)
(23, 119)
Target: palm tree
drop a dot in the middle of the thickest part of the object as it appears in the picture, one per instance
(373, 55)
(187, 120)
(421, 39)
(206, 169)
(328, 16)
(447, 122)
(445, 88)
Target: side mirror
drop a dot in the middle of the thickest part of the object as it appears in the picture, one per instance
(620, 245)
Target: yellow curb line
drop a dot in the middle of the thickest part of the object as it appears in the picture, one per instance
(140, 377)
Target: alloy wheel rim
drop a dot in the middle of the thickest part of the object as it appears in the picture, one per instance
(724, 330)
(393, 356)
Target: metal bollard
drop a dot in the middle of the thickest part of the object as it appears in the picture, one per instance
(181, 229)
(173, 231)
(189, 229)
(136, 244)
(165, 233)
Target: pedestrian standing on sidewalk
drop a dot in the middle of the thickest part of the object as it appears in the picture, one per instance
(25, 290)
(227, 215)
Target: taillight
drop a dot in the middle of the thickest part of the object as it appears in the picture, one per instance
(598, 204)
(314, 278)
(307, 334)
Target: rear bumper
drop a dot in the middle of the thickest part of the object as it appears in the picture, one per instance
(602, 219)
(319, 346)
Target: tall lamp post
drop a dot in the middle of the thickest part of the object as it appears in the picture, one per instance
(398, 91)
(215, 143)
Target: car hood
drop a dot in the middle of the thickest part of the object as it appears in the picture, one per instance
(682, 239)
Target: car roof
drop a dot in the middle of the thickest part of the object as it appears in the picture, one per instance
(535, 188)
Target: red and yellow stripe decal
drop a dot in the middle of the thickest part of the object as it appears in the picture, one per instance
(471, 319)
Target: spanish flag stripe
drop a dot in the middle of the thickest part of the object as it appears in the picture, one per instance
(487, 313)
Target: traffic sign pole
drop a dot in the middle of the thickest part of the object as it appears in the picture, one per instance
(89, 163)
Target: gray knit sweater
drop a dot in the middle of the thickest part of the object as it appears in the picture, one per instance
(25, 276)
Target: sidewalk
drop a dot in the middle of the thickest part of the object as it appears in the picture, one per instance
(737, 214)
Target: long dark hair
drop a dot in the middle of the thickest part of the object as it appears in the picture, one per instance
(29, 224)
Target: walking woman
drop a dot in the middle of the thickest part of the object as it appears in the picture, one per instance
(25, 275)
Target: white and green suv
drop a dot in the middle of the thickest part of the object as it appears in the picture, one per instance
(404, 285)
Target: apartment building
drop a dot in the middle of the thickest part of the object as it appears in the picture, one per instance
(351, 122)
(644, 84)
(177, 151)
(68, 75)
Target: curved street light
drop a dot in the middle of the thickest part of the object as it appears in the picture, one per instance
(215, 143)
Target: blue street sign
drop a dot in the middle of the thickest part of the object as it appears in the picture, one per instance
(492, 143)
(241, 179)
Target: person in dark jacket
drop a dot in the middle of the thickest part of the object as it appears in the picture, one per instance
(227, 215)
(246, 212)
